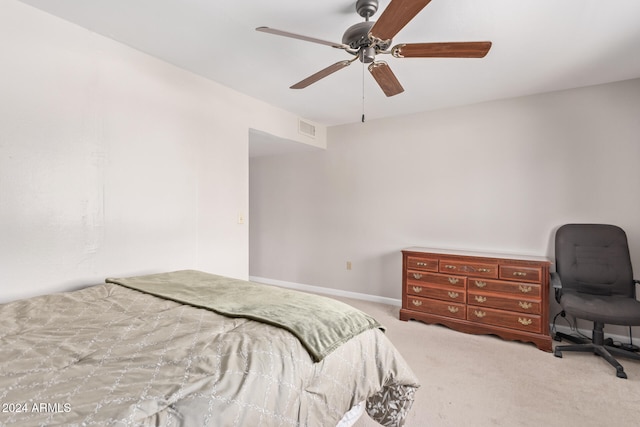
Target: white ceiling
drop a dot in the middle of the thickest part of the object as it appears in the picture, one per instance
(538, 46)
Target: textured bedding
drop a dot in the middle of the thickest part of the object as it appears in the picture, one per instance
(110, 355)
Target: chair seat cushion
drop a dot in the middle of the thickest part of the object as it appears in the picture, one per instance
(613, 310)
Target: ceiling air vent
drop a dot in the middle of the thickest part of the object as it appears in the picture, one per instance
(306, 128)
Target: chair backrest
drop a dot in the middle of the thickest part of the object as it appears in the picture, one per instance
(594, 259)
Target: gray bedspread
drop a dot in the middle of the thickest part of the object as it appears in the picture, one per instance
(109, 355)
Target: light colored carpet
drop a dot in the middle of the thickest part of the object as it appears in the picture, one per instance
(482, 380)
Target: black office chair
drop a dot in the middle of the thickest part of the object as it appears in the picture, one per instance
(594, 281)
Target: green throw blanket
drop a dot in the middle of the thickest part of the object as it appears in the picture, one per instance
(321, 324)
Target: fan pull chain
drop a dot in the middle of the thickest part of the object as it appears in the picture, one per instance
(366, 15)
(363, 92)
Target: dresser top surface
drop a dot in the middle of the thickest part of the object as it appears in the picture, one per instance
(480, 254)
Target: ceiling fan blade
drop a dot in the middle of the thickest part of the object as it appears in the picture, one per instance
(301, 37)
(322, 74)
(387, 81)
(442, 50)
(395, 17)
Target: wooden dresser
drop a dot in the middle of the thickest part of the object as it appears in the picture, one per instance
(478, 293)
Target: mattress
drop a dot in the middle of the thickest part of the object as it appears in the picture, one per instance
(113, 355)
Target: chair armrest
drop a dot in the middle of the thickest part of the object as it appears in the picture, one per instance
(556, 282)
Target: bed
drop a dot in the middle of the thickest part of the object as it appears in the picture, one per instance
(189, 348)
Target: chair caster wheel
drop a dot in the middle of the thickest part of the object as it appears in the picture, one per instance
(557, 353)
(557, 338)
(620, 373)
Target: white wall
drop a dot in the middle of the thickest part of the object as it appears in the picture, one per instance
(114, 163)
(499, 176)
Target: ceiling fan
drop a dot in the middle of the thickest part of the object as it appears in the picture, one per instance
(367, 39)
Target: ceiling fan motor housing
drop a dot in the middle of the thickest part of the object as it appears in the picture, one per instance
(357, 36)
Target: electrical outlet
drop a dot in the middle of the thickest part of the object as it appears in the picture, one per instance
(348, 265)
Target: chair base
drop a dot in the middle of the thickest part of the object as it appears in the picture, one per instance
(596, 347)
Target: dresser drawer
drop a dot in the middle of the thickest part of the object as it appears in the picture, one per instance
(524, 289)
(442, 293)
(425, 264)
(432, 306)
(507, 319)
(520, 273)
(469, 268)
(522, 305)
(418, 277)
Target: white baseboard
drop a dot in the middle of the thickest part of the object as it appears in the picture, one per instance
(327, 291)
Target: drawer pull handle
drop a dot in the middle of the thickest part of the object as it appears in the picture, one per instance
(417, 289)
(416, 302)
(421, 264)
(417, 276)
(480, 284)
(525, 305)
(479, 314)
(450, 267)
(453, 280)
(452, 309)
(484, 270)
(454, 294)
(481, 298)
(519, 273)
(525, 322)
(525, 289)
